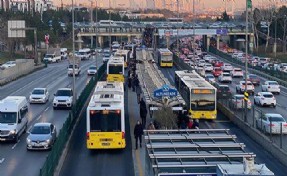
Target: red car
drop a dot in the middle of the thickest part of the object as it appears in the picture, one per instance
(218, 64)
(216, 71)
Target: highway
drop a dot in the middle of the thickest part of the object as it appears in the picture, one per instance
(222, 122)
(14, 158)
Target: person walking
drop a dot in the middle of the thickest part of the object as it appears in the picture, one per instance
(143, 112)
(138, 92)
(190, 124)
(138, 132)
(151, 126)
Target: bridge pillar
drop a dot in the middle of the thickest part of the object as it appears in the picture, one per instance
(217, 41)
(167, 41)
(129, 38)
(251, 47)
(207, 42)
(80, 42)
(101, 41)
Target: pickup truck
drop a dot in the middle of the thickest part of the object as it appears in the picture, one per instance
(53, 55)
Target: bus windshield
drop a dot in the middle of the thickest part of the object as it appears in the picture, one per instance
(166, 58)
(115, 69)
(105, 121)
(8, 117)
(202, 102)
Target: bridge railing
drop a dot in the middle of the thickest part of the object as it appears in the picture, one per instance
(112, 30)
(53, 158)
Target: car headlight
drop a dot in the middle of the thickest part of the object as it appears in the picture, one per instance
(48, 140)
(13, 132)
(28, 140)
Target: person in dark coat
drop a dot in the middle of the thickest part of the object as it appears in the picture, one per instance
(138, 132)
(129, 82)
(143, 112)
(138, 91)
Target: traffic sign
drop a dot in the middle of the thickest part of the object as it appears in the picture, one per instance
(246, 96)
(221, 31)
(165, 91)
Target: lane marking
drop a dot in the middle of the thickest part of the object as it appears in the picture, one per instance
(15, 145)
(138, 161)
(46, 109)
(39, 117)
(222, 121)
(2, 160)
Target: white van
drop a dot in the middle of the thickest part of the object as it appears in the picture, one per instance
(84, 53)
(13, 117)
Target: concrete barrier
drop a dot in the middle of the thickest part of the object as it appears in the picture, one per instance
(23, 67)
(260, 138)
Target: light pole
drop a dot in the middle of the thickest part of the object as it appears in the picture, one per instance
(121, 15)
(177, 42)
(193, 31)
(110, 35)
(97, 38)
(74, 62)
(92, 21)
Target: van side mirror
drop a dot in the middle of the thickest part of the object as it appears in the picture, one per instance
(19, 120)
(54, 94)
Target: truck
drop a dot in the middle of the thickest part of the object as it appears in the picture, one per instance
(53, 55)
(71, 66)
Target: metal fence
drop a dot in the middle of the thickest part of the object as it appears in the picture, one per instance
(275, 75)
(56, 152)
(254, 117)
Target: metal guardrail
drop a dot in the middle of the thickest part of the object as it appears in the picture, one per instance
(278, 76)
(55, 154)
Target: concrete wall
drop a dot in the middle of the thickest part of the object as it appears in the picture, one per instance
(23, 67)
(260, 138)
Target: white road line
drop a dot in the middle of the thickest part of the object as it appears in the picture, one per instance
(46, 109)
(39, 117)
(2, 160)
(15, 144)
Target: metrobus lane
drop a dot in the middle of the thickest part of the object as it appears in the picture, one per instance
(15, 155)
(84, 159)
(262, 156)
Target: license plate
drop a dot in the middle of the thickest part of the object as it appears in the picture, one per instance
(105, 144)
(2, 139)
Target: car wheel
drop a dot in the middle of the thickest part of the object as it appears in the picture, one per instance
(264, 130)
(54, 107)
(255, 102)
(274, 106)
(25, 129)
(16, 138)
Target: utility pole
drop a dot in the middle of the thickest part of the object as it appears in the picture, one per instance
(177, 40)
(110, 35)
(97, 38)
(74, 62)
(193, 30)
(121, 15)
(92, 21)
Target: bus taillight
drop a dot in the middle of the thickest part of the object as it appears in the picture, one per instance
(123, 135)
(88, 135)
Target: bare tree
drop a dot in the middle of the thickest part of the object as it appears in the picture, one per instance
(283, 23)
(268, 17)
(166, 118)
(256, 18)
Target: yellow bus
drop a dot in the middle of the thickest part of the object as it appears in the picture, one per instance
(125, 54)
(105, 117)
(116, 69)
(199, 94)
(165, 57)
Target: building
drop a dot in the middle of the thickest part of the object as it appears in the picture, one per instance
(27, 5)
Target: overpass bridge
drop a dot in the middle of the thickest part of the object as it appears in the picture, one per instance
(230, 35)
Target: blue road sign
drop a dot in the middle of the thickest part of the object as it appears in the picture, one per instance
(165, 91)
(221, 31)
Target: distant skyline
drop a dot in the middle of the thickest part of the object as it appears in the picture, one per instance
(203, 3)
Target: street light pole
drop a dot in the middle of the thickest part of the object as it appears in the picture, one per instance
(193, 31)
(97, 38)
(121, 15)
(74, 62)
(92, 21)
(246, 53)
(177, 42)
(110, 35)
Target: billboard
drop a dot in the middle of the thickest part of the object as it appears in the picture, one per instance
(16, 29)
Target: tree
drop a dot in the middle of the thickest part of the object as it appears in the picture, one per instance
(225, 16)
(166, 118)
(283, 24)
(256, 18)
(268, 17)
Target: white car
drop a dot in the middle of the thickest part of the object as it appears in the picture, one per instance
(106, 57)
(92, 70)
(226, 67)
(39, 95)
(237, 102)
(225, 77)
(265, 98)
(237, 72)
(271, 123)
(210, 78)
(63, 98)
(201, 63)
(9, 64)
(240, 88)
(271, 86)
(208, 67)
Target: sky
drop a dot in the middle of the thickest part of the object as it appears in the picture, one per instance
(207, 3)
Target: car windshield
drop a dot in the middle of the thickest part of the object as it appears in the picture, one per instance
(71, 66)
(40, 130)
(49, 55)
(253, 76)
(239, 97)
(8, 117)
(237, 70)
(209, 76)
(38, 91)
(267, 95)
(276, 119)
(226, 74)
(224, 88)
(64, 93)
(93, 68)
(273, 83)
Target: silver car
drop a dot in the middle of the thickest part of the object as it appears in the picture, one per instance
(39, 95)
(271, 122)
(42, 136)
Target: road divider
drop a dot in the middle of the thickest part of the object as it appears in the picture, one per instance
(65, 132)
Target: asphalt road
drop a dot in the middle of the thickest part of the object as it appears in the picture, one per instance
(262, 156)
(14, 158)
(81, 161)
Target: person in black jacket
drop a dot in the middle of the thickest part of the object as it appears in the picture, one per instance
(138, 132)
(143, 112)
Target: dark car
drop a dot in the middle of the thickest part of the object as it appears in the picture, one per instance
(223, 91)
(254, 79)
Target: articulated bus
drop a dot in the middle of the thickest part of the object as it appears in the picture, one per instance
(116, 69)
(199, 94)
(105, 117)
(165, 57)
(125, 54)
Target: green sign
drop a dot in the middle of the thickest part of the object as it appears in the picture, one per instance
(249, 4)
